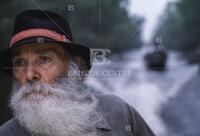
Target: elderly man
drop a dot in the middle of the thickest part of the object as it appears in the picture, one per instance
(47, 99)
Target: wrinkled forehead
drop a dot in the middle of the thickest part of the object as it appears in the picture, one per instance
(40, 49)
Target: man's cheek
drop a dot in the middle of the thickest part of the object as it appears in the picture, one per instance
(20, 79)
(52, 74)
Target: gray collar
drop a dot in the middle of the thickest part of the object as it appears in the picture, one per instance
(103, 124)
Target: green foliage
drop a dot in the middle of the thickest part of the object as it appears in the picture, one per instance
(96, 23)
(8, 9)
(180, 28)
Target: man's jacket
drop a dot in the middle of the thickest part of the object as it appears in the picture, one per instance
(120, 119)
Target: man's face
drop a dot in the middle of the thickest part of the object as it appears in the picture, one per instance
(39, 62)
(45, 99)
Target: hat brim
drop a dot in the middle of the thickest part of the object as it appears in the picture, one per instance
(76, 49)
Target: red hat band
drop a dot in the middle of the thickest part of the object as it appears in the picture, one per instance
(39, 32)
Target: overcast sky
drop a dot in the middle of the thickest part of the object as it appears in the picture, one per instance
(150, 10)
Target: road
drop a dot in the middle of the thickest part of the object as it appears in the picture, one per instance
(150, 92)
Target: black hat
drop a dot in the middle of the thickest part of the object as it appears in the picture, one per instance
(37, 26)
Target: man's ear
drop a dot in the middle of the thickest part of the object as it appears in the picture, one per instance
(81, 66)
(77, 60)
(80, 62)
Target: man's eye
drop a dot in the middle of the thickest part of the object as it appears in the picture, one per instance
(19, 62)
(44, 59)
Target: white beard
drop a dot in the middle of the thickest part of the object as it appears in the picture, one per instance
(69, 111)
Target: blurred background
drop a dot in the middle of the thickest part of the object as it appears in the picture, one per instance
(153, 55)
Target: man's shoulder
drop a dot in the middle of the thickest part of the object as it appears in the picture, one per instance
(117, 110)
(112, 103)
(7, 129)
(110, 99)
(115, 105)
(12, 128)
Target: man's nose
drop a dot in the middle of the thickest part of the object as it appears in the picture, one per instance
(32, 74)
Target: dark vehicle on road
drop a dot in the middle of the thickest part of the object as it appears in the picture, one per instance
(156, 58)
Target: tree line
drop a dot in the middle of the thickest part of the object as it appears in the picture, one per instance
(180, 28)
